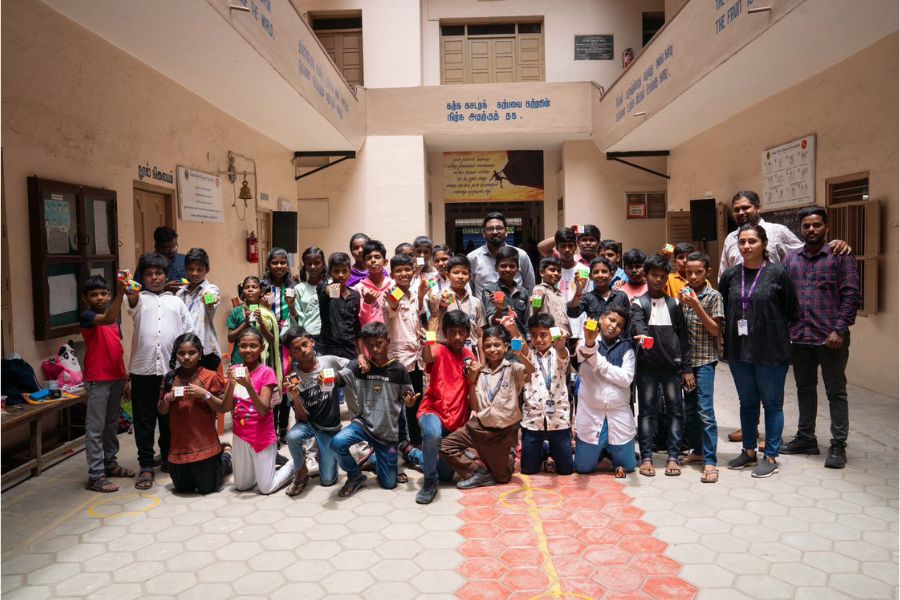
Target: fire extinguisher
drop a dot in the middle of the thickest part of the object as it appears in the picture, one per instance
(252, 248)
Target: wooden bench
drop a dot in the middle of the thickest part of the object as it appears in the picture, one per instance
(18, 415)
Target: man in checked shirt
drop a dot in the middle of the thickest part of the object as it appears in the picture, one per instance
(828, 291)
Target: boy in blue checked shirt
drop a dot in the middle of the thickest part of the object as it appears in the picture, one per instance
(704, 315)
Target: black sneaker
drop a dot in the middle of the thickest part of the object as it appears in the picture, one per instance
(742, 460)
(428, 492)
(481, 478)
(837, 456)
(801, 445)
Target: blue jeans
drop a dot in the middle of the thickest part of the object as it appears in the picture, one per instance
(560, 449)
(700, 416)
(647, 382)
(433, 431)
(386, 455)
(328, 462)
(588, 455)
(757, 384)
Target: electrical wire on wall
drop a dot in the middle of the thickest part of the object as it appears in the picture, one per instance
(245, 194)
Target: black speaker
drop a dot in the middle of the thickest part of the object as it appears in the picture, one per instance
(284, 230)
(703, 219)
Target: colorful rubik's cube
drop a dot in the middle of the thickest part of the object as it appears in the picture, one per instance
(590, 325)
(240, 371)
(578, 229)
(124, 275)
(132, 286)
(328, 376)
(430, 338)
(582, 272)
(449, 297)
(687, 291)
(432, 283)
(537, 302)
(516, 344)
(184, 281)
(398, 294)
(668, 249)
(210, 298)
(555, 333)
(499, 297)
(420, 261)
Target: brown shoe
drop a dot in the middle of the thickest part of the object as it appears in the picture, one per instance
(736, 436)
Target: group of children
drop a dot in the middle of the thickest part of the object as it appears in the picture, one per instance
(435, 371)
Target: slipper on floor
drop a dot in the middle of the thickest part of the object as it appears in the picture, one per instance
(144, 480)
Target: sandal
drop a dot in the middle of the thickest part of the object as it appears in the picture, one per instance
(298, 484)
(402, 478)
(119, 471)
(647, 469)
(145, 480)
(710, 476)
(620, 473)
(102, 485)
(673, 469)
(352, 485)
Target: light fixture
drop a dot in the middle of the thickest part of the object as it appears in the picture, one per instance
(751, 11)
(245, 193)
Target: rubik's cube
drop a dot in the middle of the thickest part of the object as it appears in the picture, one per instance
(430, 338)
(398, 294)
(328, 376)
(516, 344)
(123, 275)
(591, 325)
(555, 333)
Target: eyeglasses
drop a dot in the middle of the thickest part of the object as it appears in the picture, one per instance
(498, 229)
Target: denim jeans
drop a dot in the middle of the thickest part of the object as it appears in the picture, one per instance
(328, 462)
(757, 384)
(647, 382)
(807, 360)
(433, 432)
(560, 449)
(588, 455)
(700, 416)
(385, 455)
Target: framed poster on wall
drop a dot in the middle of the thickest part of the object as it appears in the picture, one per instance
(789, 174)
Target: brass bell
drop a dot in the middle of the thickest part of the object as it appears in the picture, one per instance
(245, 193)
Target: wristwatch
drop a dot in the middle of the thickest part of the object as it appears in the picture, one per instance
(208, 396)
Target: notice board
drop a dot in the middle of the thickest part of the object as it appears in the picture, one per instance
(594, 47)
(199, 196)
(789, 174)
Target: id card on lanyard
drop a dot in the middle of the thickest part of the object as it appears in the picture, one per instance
(491, 394)
(547, 374)
(743, 327)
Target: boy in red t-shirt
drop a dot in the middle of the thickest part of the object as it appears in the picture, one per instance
(445, 407)
(104, 378)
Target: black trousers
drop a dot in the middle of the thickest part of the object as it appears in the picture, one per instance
(807, 360)
(204, 476)
(413, 432)
(144, 398)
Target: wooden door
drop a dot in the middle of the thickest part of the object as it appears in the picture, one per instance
(345, 49)
(453, 60)
(492, 60)
(151, 210)
(530, 59)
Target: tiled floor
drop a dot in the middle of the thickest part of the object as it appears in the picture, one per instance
(807, 532)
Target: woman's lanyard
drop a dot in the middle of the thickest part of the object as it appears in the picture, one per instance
(492, 394)
(745, 296)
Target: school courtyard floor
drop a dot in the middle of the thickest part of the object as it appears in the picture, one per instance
(807, 532)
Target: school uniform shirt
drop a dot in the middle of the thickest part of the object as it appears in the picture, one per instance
(104, 358)
(193, 422)
(552, 303)
(782, 241)
(448, 390)
(375, 397)
(547, 388)
(403, 328)
(470, 305)
(498, 391)
(320, 402)
(158, 320)
(372, 312)
(516, 298)
(202, 314)
(306, 301)
(606, 372)
(770, 310)
(247, 423)
(671, 346)
(340, 323)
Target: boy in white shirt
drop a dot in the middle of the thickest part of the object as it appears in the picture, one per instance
(202, 300)
(604, 420)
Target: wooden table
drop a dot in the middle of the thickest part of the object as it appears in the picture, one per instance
(18, 415)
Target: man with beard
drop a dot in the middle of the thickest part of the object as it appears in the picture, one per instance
(782, 241)
(828, 293)
(483, 259)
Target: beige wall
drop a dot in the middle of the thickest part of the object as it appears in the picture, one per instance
(76, 109)
(595, 193)
(382, 192)
(562, 21)
(852, 109)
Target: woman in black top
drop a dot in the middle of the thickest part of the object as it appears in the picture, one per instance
(760, 301)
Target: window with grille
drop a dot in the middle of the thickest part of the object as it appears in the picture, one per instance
(645, 205)
(856, 219)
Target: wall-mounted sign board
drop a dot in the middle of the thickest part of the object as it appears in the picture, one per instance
(594, 47)
(789, 174)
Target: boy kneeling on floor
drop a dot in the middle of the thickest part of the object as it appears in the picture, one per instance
(494, 391)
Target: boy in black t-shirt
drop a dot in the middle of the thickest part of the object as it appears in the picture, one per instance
(339, 310)
(375, 398)
(316, 405)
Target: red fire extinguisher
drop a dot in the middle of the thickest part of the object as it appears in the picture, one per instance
(252, 248)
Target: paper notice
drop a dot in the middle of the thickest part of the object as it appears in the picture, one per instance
(101, 228)
(57, 240)
(63, 293)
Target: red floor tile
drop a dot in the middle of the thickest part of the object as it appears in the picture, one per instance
(479, 530)
(482, 568)
(584, 587)
(618, 578)
(480, 548)
(643, 544)
(567, 528)
(592, 519)
(632, 527)
(483, 590)
(477, 498)
(566, 547)
(576, 567)
(669, 588)
(526, 579)
(522, 557)
(478, 514)
(598, 535)
(652, 564)
(513, 521)
(517, 538)
(607, 554)
(623, 511)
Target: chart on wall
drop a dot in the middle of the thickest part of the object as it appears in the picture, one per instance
(199, 196)
(789, 174)
(507, 175)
